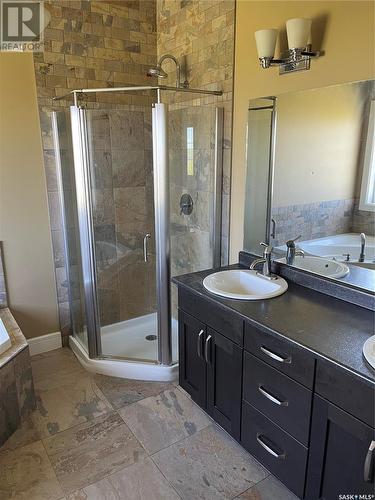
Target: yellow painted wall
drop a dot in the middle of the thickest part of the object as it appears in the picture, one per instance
(344, 30)
(331, 119)
(24, 222)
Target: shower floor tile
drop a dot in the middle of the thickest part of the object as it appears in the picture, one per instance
(103, 438)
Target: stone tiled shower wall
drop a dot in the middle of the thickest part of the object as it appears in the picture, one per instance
(191, 234)
(200, 34)
(90, 44)
(123, 212)
(112, 43)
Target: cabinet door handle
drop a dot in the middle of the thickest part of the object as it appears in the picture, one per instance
(268, 448)
(207, 350)
(275, 356)
(369, 460)
(199, 344)
(269, 396)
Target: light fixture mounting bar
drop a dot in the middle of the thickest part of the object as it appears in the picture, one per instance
(291, 61)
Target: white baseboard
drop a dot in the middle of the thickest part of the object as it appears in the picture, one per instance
(44, 343)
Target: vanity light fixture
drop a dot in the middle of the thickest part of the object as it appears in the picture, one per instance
(299, 55)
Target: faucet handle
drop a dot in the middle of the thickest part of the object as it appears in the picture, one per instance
(347, 257)
(291, 242)
(267, 248)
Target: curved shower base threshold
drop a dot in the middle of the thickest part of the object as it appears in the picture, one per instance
(124, 369)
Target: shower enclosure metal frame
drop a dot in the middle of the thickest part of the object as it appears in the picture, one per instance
(80, 143)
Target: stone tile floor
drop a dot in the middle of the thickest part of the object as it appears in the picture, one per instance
(101, 438)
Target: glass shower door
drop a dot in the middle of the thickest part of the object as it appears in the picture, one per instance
(63, 150)
(195, 171)
(118, 202)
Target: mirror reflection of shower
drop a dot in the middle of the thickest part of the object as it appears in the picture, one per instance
(158, 72)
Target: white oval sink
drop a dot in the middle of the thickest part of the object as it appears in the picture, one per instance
(244, 284)
(369, 350)
(320, 265)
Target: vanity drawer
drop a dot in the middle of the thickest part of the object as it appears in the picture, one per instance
(297, 363)
(222, 320)
(346, 390)
(275, 449)
(284, 401)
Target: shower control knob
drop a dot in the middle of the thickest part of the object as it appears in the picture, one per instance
(186, 204)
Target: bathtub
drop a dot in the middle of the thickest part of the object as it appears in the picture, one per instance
(5, 341)
(338, 246)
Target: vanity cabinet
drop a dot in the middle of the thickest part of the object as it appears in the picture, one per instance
(210, 370)
(224, 377)
(307, 420)
(192, 365)
(341, 461)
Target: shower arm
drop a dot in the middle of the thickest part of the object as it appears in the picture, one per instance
(178, 70)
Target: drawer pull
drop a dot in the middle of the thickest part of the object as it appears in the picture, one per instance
(367, 472)
(268, 448)
(275, 356)
(269, 396)
(199, 344)
(207, 351)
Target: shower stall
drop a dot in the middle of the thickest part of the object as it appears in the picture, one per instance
(140, 194)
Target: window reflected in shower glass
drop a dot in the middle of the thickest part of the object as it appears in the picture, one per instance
(190, 150)
(367, 196)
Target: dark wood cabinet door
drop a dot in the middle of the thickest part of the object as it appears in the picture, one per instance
(224, 381)
(192, 365)
(339, 448)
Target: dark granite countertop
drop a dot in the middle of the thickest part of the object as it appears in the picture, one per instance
(329, 327)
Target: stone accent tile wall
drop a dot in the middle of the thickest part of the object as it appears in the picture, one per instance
(363, 222)
(3, 290)
(17, 397)
(312, 220)
(200, 34)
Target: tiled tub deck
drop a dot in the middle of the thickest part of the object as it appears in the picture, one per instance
(17, 398)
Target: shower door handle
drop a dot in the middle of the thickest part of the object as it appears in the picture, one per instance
(145, 246)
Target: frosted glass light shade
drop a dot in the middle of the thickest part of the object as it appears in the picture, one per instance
(298, 31)
(266, 42)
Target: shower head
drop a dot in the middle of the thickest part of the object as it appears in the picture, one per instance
(157, 71)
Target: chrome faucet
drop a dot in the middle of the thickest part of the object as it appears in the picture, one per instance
(292, 251)
(266, 261)
(363, 244)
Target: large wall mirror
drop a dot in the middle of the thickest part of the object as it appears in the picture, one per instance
(311, 178)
